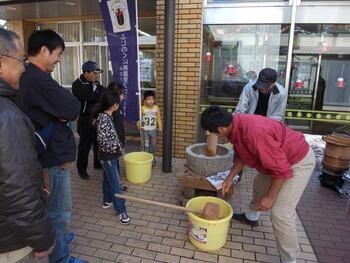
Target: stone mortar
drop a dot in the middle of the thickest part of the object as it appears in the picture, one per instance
(204, 165)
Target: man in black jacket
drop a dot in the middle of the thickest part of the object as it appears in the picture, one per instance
(25, 228)
(47, 103)
(88, 90)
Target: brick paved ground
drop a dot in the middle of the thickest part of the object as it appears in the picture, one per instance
(159, 235)
(322, 212)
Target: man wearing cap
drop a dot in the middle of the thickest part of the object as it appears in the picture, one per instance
(88, 90)
(263, 96)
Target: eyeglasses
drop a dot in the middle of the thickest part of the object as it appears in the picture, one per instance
(23, 61)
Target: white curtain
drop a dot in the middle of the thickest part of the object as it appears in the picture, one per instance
(94, 31)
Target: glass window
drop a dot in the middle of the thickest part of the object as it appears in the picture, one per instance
(94, 31)
(69, 32)
(56, 73)
(319, 77)
(91, 53)
(70, 66)
(106, 66)
(147, 26)
(335, 75)
(234, 55)
(53, 27)
(321, 39)
(147, 69)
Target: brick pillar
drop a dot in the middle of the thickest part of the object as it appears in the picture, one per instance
(188, 27)
(23, 29)
(17, 27)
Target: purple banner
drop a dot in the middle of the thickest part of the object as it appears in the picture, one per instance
(120, 18)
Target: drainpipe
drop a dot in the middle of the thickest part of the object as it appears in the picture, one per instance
(168, 84)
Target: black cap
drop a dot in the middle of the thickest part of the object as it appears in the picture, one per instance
(267, 76)
(91, 66)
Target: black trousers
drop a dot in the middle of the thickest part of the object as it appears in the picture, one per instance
(87, 134)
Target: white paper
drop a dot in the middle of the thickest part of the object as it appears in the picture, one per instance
(218, 179)
(145, 70)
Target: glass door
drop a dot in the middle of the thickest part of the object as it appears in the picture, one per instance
(302, 86)
(335, 70)
(319, 83)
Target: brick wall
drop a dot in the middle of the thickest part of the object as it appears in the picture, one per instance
(188, 25)
(22, 28)
(16, 26)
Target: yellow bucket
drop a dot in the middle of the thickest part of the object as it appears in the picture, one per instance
(208, 235)
(138, 166)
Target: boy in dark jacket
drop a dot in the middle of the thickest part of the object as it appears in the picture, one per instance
(46, 103)
(88, 90)
(26, 232)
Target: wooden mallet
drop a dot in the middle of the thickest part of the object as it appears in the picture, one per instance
(211, 210)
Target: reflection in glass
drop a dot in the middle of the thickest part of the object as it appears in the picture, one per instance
(331, 44)
(321, 39)
(302, 82)
(234, 54)
(320, 73)
(336, 71)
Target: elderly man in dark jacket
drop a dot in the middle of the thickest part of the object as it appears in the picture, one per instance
(25, 229)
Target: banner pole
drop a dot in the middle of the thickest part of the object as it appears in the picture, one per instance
(138, 75)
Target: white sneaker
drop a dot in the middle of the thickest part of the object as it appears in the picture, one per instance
(124, 218)
(106, 205)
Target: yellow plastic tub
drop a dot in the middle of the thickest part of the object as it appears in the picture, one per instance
(138, 166)
(208, 235)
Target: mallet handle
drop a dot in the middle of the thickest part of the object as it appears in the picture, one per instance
(166, 205)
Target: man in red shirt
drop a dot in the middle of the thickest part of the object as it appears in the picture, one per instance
(284, 161)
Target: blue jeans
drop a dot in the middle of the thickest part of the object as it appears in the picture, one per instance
(59, 211)
(111, 185)
(150, 141)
